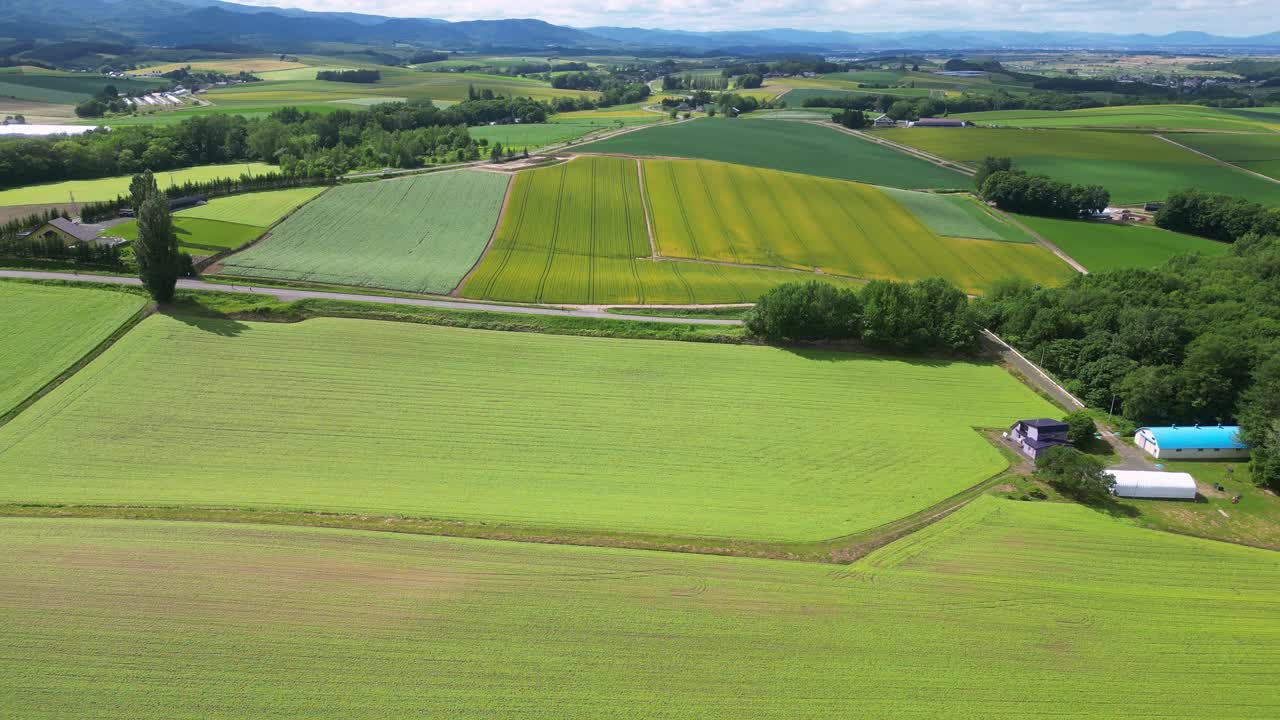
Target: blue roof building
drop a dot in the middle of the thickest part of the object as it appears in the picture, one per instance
(1195, 442)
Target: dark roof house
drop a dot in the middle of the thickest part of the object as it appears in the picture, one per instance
(1033, 437)
(66, 231)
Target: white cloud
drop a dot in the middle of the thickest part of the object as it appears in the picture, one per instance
(1225, 17)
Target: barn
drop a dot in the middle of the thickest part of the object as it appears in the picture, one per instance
(939, 123)
(1155, 485)
(1197, 442)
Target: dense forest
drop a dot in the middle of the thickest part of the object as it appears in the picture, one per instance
(399, 135)
(1194, 341)
(350, 76)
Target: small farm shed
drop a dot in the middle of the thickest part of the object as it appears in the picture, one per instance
(64, 231)
(1033, 437)
(1213, 442)
(884, 121)
(1150, 484)
(939, 122)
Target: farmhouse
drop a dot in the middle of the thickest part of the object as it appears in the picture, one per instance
(1035, 436)
(938, 122)
(1216, 442)
(884, 121)
(1150, 484)
(66, 232)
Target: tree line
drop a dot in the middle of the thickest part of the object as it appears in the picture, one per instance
(1013, 190)
(349, 76)
(1196, 340)
(218, 187)
(399, 135)
(1216, 216)
(924, 316)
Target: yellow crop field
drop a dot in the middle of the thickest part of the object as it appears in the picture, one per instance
(753, 216)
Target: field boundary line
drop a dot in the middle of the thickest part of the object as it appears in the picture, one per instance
(1219, 160)
(142, 314)
(920, 154)
(1043, 242)
(644, 207)
(502, 212)
(1037, 375)
(217, 258)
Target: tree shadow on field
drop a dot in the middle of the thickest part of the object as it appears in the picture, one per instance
(846, 352)
(226, 327)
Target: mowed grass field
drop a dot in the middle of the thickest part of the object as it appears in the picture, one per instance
(1104, 246)
(1002, 610)
(1257, 152)
(418, 234)
(744, 215)
(226, 223)
(48, 329)
(113, 187)
(1135, 168)
(1156, 117)
(542, 431)
(782, 145)
(576, 233)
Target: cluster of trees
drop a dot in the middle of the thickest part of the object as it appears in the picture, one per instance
(613, 90)
(852, 119)
(426, 56)
(785, 66)
(108, 99)
(1196, 340)
(1076, 474)
(927, 315)
(1014, 190)
(185, 77)
(900, 108)
(304, 144)
(690, 81)
(1217, 216)
(350, 76)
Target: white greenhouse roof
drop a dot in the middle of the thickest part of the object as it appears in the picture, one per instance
(1147, 483)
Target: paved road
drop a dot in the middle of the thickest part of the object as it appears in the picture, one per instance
(289, 295)
(1031, 371)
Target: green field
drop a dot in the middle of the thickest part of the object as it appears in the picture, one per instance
(197, 236)
(260, 208)
(536, 430)
(1105, 246)
(956, 215)
(110, 188)
(1157, 117)
(531, 137)
(810, 223)
(927, 80)
(419, 234)
(576, 233)
(780, 145)
(67, 88)
(48, 329)
(1004, 610)
(1257, 152)
(1135, 168)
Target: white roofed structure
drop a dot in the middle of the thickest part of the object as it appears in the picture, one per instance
(1151, 484)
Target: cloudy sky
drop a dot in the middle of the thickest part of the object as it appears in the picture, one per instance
(1224, 17)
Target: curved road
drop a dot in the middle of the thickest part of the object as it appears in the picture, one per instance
(289, 295)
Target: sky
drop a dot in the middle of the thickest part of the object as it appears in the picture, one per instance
(1222, 17)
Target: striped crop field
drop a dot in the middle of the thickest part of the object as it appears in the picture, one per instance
(112, 187)
(576, 233)
(1135, 168)
(1150, 117)
(48, 329)
(956, 215)
(545, 431)
(780, 145)
(1002, 610)
(418, 234)
(1257, 152)
(1106, 246)
(739, 214)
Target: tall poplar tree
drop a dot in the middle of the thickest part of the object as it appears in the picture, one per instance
(156, 249)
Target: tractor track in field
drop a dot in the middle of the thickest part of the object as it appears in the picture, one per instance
(1219, 161)
(914, 152)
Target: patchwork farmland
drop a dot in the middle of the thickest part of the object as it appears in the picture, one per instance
(361, 234)
(1135, 168)
(781, 145)
(475, 425)
(226, 223)
(1255, 152)
(1104, 246)
(836, 227)
(1147, 117)
(49, 329)
(964, 616)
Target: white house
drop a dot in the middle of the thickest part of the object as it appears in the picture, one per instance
(1213, 442)
(1149, 484)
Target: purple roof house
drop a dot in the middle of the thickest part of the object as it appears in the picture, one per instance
(1035, 436)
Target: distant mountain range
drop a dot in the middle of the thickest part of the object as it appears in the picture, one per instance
(208, 22)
